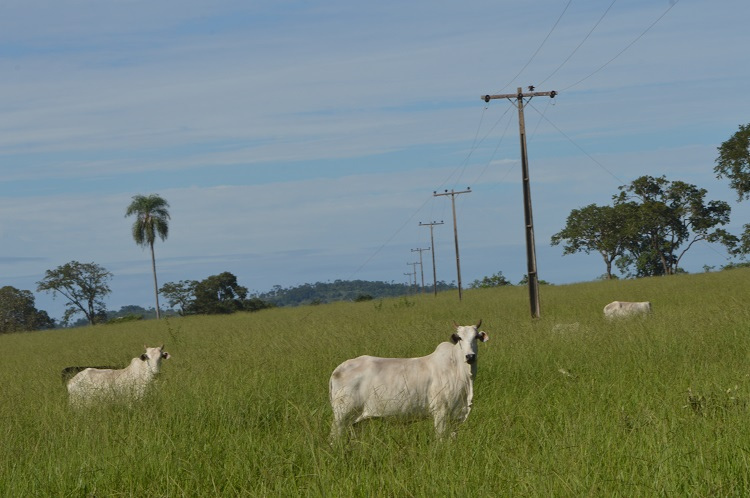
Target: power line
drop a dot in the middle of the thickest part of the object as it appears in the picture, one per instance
(580, 44)
(578, 146)
(538, 49)
(672, 3)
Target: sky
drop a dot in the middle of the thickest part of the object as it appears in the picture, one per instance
(300, 142)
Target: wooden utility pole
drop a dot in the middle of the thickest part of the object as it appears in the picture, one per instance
(453, 195)
(414, 274)
(432, 245)
(421, 267)
(528, 218)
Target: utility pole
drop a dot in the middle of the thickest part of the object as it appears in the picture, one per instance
(453, 195)
(421, 268)
(432, 245)
(533, 277)
(414, 274)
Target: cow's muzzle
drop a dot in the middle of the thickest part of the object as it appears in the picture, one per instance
(471, 358)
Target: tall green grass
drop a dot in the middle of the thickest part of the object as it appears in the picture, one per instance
(642, 407)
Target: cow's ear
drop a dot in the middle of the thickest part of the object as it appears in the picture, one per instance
(165, 355)
(455, 338)
(482, 336)
(144, 357)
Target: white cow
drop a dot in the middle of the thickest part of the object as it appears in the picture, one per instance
(92, 384)
(439, 385)
(617, 309)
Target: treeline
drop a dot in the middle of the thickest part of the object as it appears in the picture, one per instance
(342, 290)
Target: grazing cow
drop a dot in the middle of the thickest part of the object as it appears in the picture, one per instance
(439, 385)
(93, 384)
(617, 309)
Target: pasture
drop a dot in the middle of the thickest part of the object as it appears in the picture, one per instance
(639, 407)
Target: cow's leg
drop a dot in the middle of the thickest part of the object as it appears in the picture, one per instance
(344, 416)
(440, 418)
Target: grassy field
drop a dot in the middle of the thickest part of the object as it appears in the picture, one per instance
(645, 407)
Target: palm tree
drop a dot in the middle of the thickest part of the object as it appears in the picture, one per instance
(152, 219)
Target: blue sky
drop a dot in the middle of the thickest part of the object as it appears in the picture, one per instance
(302, 141)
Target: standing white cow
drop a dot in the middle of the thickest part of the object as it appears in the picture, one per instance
(617, 309)
(92, 384)
(439, 385)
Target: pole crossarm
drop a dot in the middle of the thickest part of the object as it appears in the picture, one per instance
(519, 95)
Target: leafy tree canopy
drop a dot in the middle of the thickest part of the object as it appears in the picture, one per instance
(84, 285)
(180, 294)
(670, 217)
(733, 162)
(218, 294)
(18, 312)
(496, 280)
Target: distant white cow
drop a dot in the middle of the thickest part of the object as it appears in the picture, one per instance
(93, 384)
(439, 385)
(617, 309)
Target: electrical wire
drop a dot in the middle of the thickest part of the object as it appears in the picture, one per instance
(580, 44)
(577, 146)
(672, 3)
(538, 49)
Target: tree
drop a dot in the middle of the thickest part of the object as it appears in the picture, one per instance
(84, 285)
(18, 313)
(180, 294)
(496, 280)
(218, 294)
(734, 162)
(152, 219)
(670, 218)
(603, 229)
(525, 280)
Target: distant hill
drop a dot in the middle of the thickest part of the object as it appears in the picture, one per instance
(340, 290)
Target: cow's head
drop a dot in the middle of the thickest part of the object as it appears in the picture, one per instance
(153, 357)
(466, 337)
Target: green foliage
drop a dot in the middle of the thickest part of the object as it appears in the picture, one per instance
(603, 229)
(180, 294)
(670, 218)
(654, 407)
(733, 162)
(496, 280)
(525, 280)
(84, 285)
(124, 318)
(339, 290)
(650, 227)
(152, 218)
(18, 313)
(218, 294)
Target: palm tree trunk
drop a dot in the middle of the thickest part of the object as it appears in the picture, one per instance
(156, 286)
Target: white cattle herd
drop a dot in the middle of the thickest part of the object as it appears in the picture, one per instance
(439, 386)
